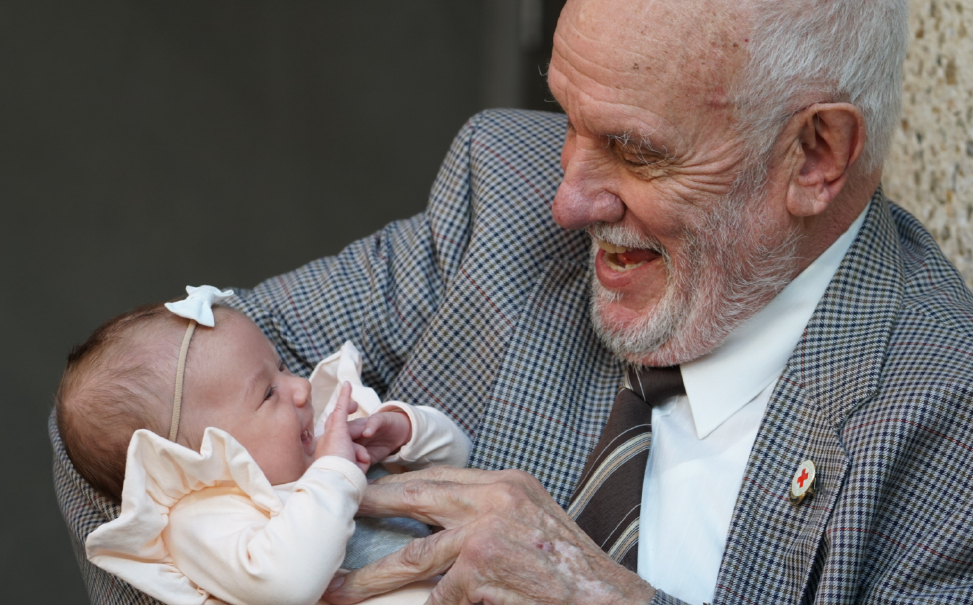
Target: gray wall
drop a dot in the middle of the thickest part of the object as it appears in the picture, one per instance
(147, 145)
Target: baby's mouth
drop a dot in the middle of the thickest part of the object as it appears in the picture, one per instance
(307, 438)
(621, 258)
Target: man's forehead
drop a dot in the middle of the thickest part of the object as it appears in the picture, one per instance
(659, 71)
(702, 41)
(708, 18)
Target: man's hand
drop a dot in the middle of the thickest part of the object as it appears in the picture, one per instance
(505, 541)
(382, 433)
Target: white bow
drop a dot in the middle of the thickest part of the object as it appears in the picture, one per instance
(199, 304)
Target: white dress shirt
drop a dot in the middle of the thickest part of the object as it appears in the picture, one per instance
(701, 441)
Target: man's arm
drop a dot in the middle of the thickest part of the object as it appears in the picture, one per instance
(379, 292)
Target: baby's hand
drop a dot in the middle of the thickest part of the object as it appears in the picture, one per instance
(336, 440)
(382, 433)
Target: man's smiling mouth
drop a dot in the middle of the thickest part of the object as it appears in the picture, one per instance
(621, 258)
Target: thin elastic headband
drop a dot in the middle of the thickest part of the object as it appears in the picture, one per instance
(180, 374)
(197, 307)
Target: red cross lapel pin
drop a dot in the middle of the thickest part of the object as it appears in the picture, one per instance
(803, 482)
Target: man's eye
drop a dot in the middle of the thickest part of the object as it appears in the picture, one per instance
(639, 159)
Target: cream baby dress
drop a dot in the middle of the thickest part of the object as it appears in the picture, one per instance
(207, 527)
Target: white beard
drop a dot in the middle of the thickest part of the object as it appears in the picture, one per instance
(721, 279)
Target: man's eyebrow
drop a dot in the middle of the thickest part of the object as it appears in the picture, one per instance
(549, 97)
(640, 145)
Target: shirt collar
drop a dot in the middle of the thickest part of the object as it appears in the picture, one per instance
(721, 382)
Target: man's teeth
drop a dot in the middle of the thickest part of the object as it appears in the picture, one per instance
(611, 248)
(611, 256)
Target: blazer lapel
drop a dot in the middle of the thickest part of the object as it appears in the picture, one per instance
(775, 550)
(554, 389)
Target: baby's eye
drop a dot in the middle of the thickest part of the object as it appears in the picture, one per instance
(281, 367)
(270, 392)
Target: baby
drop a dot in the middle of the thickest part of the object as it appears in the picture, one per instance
(209, 443)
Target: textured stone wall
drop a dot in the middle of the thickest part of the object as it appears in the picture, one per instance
(930, 170)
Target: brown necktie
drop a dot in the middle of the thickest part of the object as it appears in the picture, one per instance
(608, 498)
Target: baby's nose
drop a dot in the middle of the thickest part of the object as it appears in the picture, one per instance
(302, 392)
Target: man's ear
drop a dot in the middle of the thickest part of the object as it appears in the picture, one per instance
(827, 140)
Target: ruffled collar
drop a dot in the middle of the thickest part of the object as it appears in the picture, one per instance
(158, 474)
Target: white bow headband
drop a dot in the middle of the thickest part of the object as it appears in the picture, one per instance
(197, 308)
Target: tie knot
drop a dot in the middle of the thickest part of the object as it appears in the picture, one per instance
(655, 385)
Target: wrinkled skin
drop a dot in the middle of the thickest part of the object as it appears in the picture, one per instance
(504, 541)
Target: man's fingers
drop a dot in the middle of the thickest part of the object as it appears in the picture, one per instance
(451, 590)
(421, 559)
(505, 541)
(448, 497)
(450, 474)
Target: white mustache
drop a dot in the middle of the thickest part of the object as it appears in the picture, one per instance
(628, 237)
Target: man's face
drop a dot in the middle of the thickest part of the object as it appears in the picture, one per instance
(652, 165)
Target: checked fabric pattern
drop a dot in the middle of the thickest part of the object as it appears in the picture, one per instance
(608, 499)
(479, 306)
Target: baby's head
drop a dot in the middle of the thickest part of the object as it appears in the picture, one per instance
(123, 379)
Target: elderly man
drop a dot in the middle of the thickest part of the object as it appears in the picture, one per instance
(721, 213)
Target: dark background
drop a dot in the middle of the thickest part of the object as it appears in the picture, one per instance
(147, 145)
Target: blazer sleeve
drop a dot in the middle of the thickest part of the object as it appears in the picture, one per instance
(380, 292)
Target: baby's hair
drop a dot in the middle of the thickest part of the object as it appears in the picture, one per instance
(118, 381)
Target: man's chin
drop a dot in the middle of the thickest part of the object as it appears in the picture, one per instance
(633, 335)
(619, 318)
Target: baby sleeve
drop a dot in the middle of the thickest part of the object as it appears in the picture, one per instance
(435, 439)
(245, 555)
(200, 524)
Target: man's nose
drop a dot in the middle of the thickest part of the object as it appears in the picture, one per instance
(586, 193)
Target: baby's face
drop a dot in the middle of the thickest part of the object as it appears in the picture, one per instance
(237, 383)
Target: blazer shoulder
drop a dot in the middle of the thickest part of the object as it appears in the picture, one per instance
(495, 188)
(935, 297)
(930, 347)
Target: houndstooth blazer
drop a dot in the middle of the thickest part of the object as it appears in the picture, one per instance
(479, 307)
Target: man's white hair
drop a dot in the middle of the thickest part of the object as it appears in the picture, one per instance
(810, 51)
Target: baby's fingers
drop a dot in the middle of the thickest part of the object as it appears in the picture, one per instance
(364, 460)
(373, 424)
(336, 440)
(338, 419)
(356, 427)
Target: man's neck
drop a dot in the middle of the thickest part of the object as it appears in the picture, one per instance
(820, 231)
